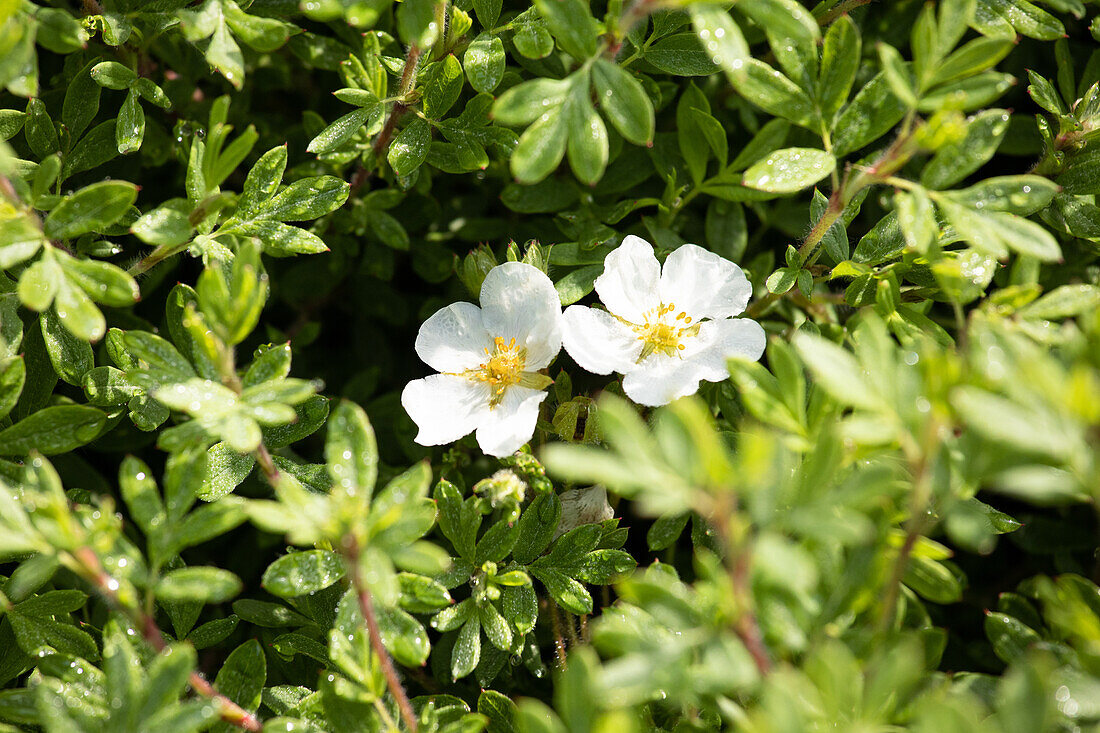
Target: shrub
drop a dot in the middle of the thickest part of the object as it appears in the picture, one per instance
(664, 526)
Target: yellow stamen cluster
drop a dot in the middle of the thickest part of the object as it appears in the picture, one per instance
(503, 367)
(663, 332)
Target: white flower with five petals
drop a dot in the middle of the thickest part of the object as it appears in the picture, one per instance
(489, 360)
(664, 331)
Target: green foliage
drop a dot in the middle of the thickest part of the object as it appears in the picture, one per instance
(223, 222)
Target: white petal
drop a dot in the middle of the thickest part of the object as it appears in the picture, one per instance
(628, 285)
(510, 424)
(453, 339)
(720, 341)
(445, 407)
(598, 342)
(703, 285)
(519, 301)
(661, 378)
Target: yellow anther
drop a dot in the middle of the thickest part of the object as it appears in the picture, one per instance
(662, 333)
(502, 369)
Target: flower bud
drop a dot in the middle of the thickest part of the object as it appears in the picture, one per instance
(475, 267)
(502, 487)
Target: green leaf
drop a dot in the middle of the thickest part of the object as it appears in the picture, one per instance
(1064, 302)
(224, 54)
(836, 371)
(565, 590)
(351, 452)
(81, 102)
(1009, 636)
(71, 357)
(263, 34)
(995, 232)
(91, 209)
(540, 148)
(840, 55)
(403, 637)
(917, 219)
(588, 146)
(113, 75)
(262, 182)
(572, 25)
(1022, 195)
(306, 199)
(342, 130)
(896, 73)
(721, 38)
(528, 101)
(242, 678)
(1003, 421)
(39, 130)
(1044, 94)
(165, 225)
(103, 282)
(499, 709)
(467, 649)
(932, 580)
(36, 634)
(56, 429)
(410, 148)
(681, 54)
(624, 101)
(13, 375)
(956, 161)
(416, 23)
(484, 62)
(301, 573)
(537, 525)
(20, 239)
(200, 584)
(441, 85)
(130, 125)
(488, 11)
(789, 170)
(870, 115)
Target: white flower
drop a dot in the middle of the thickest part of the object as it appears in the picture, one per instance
(664, 331)
(489, 358)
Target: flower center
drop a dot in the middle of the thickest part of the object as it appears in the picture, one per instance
(502, 369)
(662, 332)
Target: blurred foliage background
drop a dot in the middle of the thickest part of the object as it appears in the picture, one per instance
(888, 523)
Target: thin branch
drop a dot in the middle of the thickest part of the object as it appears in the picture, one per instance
(739, 567)
(87, 564)
(366, 607)
(559, 640)
(381, 143)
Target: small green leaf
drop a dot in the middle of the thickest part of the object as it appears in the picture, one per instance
(484, 62)
(91, 209)
(52, 430)
(441, 85)
(130, 125)
(342, 130)
(624, 101)
(416, 23)
(588, 146)
(350, 451)
(789, 170)
(71, 357)
(199, 584)
(540, 148)
(410, 148)
(956, 161)
(467, 649)
(301, 573)
(572, 24)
